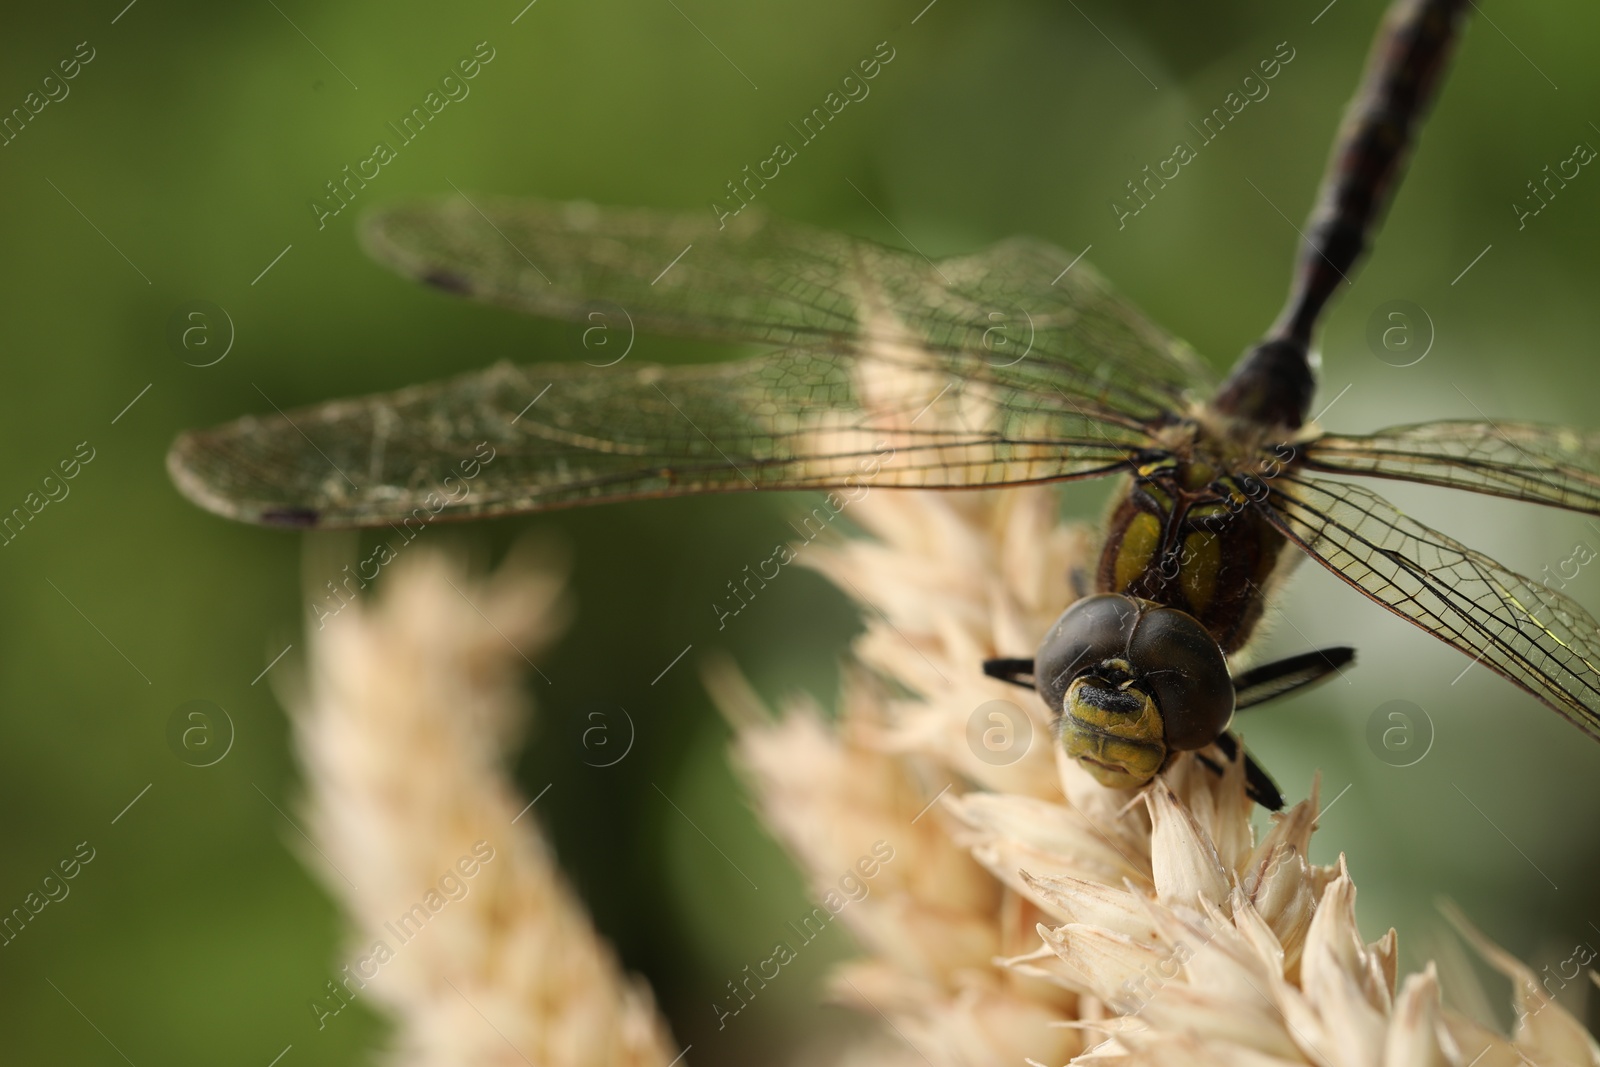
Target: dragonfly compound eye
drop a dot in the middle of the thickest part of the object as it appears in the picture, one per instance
(1180, 665)
(1132, 681)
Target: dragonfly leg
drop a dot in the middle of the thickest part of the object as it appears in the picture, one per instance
(1078, 578)
(1258, 784)
(1015, 671)
(1272, 680)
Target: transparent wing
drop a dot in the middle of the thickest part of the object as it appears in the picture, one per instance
(1015, 309)
(1012, 365)
(1522, 461)
(515, 439)
(1536, 637)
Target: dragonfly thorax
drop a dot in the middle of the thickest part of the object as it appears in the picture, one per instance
(1185, 535)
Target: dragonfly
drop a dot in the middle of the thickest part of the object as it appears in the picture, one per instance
(1010, 366)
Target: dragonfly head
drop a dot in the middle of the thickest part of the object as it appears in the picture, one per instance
(1132, 682)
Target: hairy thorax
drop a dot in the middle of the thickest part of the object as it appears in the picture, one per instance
(1183, 533)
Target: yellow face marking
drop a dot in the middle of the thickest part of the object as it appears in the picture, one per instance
(1202, 554)
(1119, 749)
(1140, 542)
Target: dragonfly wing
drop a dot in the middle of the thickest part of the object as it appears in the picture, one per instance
(1023, 310)
(1518, 460)
(515, 439)
(1012, 365)
(1528, 633)
(1039, 317)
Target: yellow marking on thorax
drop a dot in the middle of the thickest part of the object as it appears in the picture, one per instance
(1198, 475)
(1140, 542)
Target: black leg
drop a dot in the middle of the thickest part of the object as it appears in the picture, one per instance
(1079, 578)
(1015, 671)
(1258, 785)
(1272, 680)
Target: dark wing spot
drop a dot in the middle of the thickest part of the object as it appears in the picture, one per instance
(299, 518)
(450, 283)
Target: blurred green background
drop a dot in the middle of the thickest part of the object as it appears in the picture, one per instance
(193, 142)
